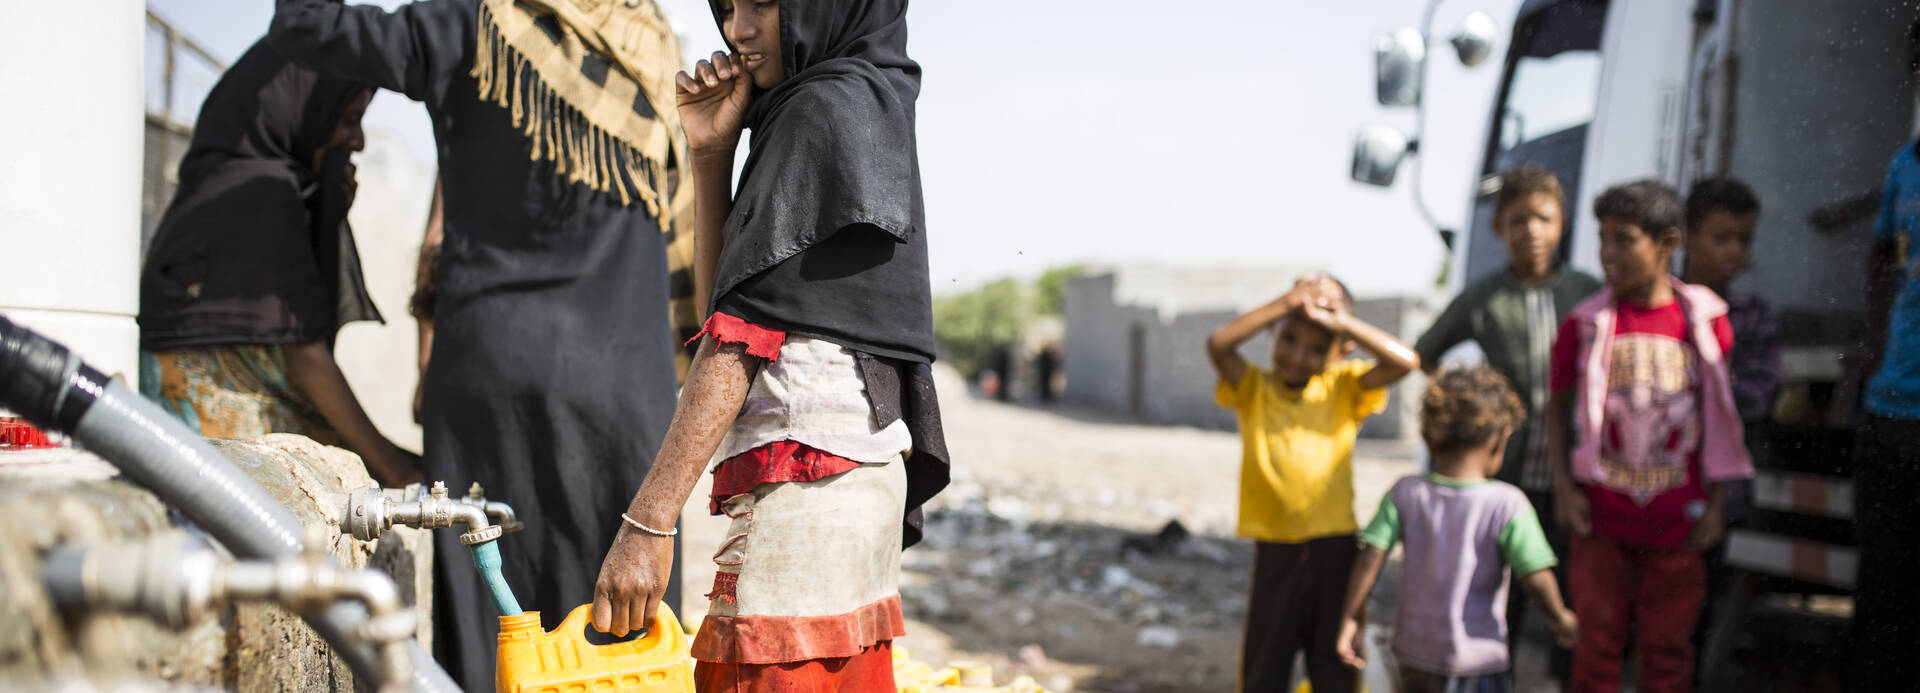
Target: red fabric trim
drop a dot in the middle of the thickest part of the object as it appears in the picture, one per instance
(724, 585)
(782, 639)
(871, 670)
(772, 463)
(761, 342)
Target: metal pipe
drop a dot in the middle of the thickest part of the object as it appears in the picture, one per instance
(1420, 127)
(50, 387)
(177, 579)
(437, 511)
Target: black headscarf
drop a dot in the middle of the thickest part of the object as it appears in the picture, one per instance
(255, 247)
(832, 163)
(828, 233)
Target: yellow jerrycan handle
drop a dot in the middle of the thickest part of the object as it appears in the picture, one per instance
(561, 660)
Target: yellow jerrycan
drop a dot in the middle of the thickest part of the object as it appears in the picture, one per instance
(562, 661)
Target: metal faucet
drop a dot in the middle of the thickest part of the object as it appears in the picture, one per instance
(499, 512)
(177, 579)
(370, 512)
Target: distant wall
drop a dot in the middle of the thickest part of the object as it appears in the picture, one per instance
(1096, 345)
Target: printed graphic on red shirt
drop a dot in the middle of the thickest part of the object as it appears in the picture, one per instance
(1650, 491)
(1652, 422)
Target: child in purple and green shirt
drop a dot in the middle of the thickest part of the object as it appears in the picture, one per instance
(1464, 531)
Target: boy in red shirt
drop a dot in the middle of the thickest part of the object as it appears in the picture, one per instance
(1642, 431)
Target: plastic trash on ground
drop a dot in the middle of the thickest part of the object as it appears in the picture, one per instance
(918, 677)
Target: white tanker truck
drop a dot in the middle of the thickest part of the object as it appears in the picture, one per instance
(1805, 101)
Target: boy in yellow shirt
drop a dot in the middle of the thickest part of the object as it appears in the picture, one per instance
(1297, 427)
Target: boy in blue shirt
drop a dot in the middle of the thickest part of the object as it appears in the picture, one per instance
(1887, 478)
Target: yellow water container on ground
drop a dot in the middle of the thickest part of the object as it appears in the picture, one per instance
(562, 661)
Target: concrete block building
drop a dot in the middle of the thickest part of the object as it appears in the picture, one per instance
(1136, 340)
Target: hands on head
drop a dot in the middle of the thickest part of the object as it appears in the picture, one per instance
(1317, 298)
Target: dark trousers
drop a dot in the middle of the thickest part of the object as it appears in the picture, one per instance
(1294, 606)
(1886, 606)
(1559, 659)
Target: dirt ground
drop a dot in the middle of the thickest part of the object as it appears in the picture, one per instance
(1052, 555)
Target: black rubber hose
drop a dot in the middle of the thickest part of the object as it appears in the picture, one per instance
(42, 381)
(46, 384)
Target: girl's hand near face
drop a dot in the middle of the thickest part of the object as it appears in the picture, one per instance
(713, 103)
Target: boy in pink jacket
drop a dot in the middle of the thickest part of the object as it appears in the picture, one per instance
(1642, 432)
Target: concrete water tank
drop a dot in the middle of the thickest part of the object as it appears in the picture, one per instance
(70, 188)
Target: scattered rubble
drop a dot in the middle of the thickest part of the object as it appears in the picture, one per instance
(1160, 637)
(1040, 589)
(910, 676)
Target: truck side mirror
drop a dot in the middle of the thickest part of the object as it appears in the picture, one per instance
(1397, 59)
(1475, 40)
(1377, 152)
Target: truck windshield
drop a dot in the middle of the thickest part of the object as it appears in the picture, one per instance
(1548, 99)
(1549, 96)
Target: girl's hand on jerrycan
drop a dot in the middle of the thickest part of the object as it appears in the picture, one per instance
(531, 660)
(633, 580)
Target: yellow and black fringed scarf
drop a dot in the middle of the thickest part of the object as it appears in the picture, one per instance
(590, 83)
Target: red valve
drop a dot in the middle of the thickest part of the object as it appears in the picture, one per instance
(17, 434)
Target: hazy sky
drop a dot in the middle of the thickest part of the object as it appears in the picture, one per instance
(1131, 130)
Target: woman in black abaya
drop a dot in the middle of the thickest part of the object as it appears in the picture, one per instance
(552, 366)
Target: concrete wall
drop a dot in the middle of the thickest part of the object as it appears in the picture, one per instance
(1152, 365)
(1179, 378)
(388, 216)
(55, 497)
(1095, 358)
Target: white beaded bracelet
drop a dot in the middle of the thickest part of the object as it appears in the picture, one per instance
(636, 525)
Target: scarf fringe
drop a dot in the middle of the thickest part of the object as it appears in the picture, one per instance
(580, 150)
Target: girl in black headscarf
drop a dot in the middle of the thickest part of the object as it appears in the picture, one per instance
(253, 269)
(814, 364)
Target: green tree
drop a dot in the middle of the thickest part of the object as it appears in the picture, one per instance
(971, 325)
(1050, 296)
